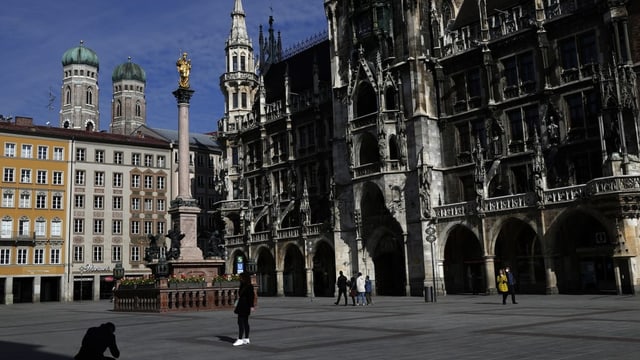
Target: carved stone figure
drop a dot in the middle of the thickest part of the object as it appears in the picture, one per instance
(174, 251)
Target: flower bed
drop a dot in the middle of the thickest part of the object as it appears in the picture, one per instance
(227, 280)
(184, 281)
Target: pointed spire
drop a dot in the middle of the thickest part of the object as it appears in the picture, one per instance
(238, 34)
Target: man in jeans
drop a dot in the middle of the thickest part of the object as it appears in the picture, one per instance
(511, 282)
(342, 288)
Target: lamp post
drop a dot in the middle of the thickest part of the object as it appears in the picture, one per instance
(431, 238)
(309, 245)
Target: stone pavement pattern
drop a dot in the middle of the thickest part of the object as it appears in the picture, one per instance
(456, 327)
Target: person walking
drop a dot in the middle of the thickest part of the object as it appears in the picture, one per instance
(360, 288)
(244, 306)
(503, 287)
(342, 288)
(511, 283)
(96, 341)
(367, 290)
(353, 289)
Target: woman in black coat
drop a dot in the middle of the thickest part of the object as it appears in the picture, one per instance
(243, 308)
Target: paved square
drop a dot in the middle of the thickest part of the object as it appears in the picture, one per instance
(456, 327)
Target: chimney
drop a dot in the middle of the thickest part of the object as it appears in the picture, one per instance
(24, 121)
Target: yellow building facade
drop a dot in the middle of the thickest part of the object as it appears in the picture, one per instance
(33, 215)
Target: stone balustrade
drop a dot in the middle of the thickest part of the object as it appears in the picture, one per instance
(154, 299)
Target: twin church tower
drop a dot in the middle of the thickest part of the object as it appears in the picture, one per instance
(79, 108)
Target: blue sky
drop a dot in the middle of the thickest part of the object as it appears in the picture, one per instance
(34, 35)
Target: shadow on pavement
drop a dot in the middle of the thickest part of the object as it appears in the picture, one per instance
(225, 338)
(11, 350)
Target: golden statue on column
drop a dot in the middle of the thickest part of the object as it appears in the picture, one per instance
(184, 67)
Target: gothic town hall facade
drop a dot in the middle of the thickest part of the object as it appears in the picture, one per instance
(432, 142)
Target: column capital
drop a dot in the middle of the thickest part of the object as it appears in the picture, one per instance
(183, 95)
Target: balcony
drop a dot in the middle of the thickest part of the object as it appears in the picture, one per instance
(17, 238)
(597, 187)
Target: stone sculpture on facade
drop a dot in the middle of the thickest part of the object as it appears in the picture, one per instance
(174, 251)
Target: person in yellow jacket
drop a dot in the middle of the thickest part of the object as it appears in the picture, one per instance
(503, 288)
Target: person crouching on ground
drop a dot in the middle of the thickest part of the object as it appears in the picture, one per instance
(96, 341)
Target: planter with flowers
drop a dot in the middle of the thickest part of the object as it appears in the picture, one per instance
(137, 283)
(227, 281)
(187, 281)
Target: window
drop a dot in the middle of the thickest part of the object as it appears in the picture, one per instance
(41, 227)
(243, 100)
(98, 178)
(97, 253)
(78, 226)
(23, 227)
(135, 159)
(160, 205)
(243, 63)
(519, 74)
(78, 253)
(41, 201)
(148, 204)
(135, 227)
(7, 227)
(5, 256)
(117, 179)
(468, 90)
(135, 204)
(9, 175)
(7, 199)
(98, 202)
(54, 256)
(57, 178)
(56, 201)
(79, 201)
(99, 156)
(117, 203)
(9, 150)
(98, 226)
(135, 253)
(81, 154)
(27, 151)
(58, 153)
(117, 157)
(234, 62)
(80, 177)
(22, 256)
(234, 100)
(161, 161)
(25, 200)
(116, 253)
(148, 182)
(56, 228)
(43, 152)
(116, 227)
(161, 182)
(25, 176)
(583, 109)
(41, 177)
(38, 256)
(161, 227)
(135, 181)
(148, 227)
(148, 160)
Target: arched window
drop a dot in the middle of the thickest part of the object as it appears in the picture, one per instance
(446, 13)
(89, 96)
(393, 147)
(243, 63)
(366, 100)
(138, 109)
(390, 99)
(90, 126)
(67, 95)
(118, 108)
(234, 62)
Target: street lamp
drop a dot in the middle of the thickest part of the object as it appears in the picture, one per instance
(309, 244)
(431, 238)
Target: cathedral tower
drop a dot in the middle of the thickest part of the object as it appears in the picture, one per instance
(128, 105)
(79, 108)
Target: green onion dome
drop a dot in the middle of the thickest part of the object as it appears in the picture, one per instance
(129, 71)
(80, 55)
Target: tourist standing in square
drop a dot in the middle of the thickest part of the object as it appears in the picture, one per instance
(244, 306)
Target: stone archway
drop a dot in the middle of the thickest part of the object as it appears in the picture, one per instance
(519, 247)
(383, 240)
(266, 273)
(294, 274)
(324, 270)
(464, 270)
(583, 255)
